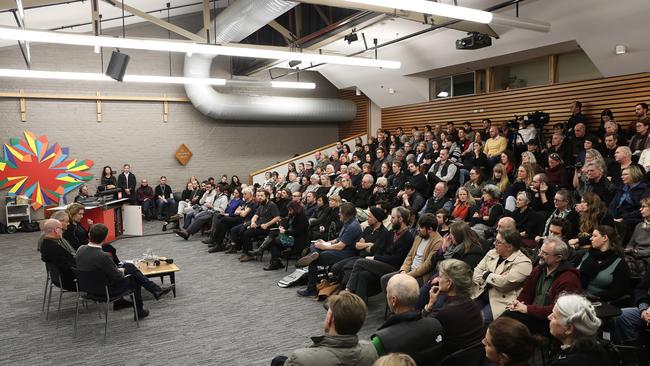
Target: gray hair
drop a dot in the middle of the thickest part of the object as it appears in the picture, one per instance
(459, 273)
(492, 190)
(577, 310)
(405, 288)
(625, 150)
(59, 215)
(370, 178)
(525, 196)
(248, 190)
(382, 181)
(530, 155)
(561, 248)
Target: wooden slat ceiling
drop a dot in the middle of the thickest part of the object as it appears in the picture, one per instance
(361, 121)
(620, 94)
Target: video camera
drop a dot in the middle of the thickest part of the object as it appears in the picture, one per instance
(537, 118)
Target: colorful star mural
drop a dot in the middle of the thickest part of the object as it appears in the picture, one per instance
(35, 168)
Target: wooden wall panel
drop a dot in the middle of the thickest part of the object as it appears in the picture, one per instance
(619, 94)
(361, 122)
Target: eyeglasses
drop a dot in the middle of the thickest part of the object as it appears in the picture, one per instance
(499, 242)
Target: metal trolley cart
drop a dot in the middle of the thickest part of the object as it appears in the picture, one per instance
(17, 211)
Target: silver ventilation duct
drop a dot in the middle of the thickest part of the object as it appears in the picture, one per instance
(235, 23)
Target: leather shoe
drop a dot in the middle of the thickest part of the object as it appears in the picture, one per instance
(182, 233)
(306, 292)
(246, 258)
(163, 291)
(142, 314)
(231, 250)
(215, 249)
(308, 259)
(122, 304)
(273, 266)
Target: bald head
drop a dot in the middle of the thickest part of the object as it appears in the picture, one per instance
(402, 293)
(506, 223)
(50, 227)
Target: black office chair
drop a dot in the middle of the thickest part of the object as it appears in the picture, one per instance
(54, 276)
(93, 286)
(468, 356)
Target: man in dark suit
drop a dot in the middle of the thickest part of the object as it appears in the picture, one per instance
(91, 257)
(56, 250)
(127, 182)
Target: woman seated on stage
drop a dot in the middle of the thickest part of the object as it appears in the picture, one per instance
(75, 234)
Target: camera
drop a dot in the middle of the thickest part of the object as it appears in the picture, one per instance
(537, 118)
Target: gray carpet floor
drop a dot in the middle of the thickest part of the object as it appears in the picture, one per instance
(225, 312)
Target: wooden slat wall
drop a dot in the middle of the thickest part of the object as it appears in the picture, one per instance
(620, 94)
(361, 122)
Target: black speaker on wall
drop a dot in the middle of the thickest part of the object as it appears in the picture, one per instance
(117, 66)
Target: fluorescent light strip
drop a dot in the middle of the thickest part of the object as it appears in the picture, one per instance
(186, 47)
(292, 85)
(87, 76)
(433, 8)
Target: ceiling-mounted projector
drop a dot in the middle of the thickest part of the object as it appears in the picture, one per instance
(474, 41)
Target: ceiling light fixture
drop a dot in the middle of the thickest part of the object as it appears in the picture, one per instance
(620, 49)
(188, 47)
(433, 8)
(292, 85)
(443, 94)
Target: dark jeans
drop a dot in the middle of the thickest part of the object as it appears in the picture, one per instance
(165, 209)
(249, 235)
(148, 209)
(200, 219)
(236, 234)
(365, 277)
(135, 282)
(278, 360)
(326, 258)
(221, 225)
(343, 269)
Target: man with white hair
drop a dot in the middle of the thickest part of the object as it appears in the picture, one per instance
(438, 200)
(623, 159)
(406, 331)
(596, 182)
(363, 195)
(56, 250)
(554, 276)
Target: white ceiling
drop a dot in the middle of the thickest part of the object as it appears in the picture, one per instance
(594, 25)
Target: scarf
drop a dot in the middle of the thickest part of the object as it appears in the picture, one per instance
(487, 206)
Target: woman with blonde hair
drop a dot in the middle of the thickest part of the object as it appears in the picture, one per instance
(464, 205)
(75, 234)
(395, 359)
(523, 180)
(499, 177)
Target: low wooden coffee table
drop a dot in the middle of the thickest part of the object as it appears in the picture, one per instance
(164, 269)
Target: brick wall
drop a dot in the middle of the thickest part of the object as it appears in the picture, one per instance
(134, 132)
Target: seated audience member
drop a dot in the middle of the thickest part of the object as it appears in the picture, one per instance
(597, 183)
(603, 271)
(367, 272)
(165, 203)
(637, 318)
(541, 195)
(489, 211)
(476, 158)
(495, 146)
(508, 162)
(56, 250)
(443, 220)
(530, 224)
(108, 180)
(523, 180)
(625, 205)
(464, 206)
(347, 189)
(325, 253)
(340, 345)
(314, 184)
(243, 213)
(637, 250)
(475, 183)
(186, 200)
(559, 147)
(410, 198)
(500, 275)
(418, 261)
(374, 238)
(266, 216)
(438, 200)
(199, 216)
(552, 277)
(563, 210)
(320, 214)
(380, 193)
(417, 179)
(499, 178)
(325, 186)
(450, 303)
(145, 197)
(83, 193)
(293, 236)
(75, 234)
(444, 170)
(556, 171)
(640, 141)
(310, 204)
(395, 359)
(593, 213)
(509, 343)
(331, 226)
(407, 331)
(622, 160)
(398, 178)
(528, 157)
(91, 257)
(292, 183)
(575, 324)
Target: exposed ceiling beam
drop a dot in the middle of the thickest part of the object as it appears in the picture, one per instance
(19, 16)
(322, 15)
(206, 20)
(11, 4)
(159, 22)
(286, 34)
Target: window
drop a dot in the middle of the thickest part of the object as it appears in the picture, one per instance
(530, 73)
(451, 86)
(575, 66)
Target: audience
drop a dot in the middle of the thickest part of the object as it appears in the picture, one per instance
(637, 250)
(57, 251)
(339, 346)
(509, 343)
